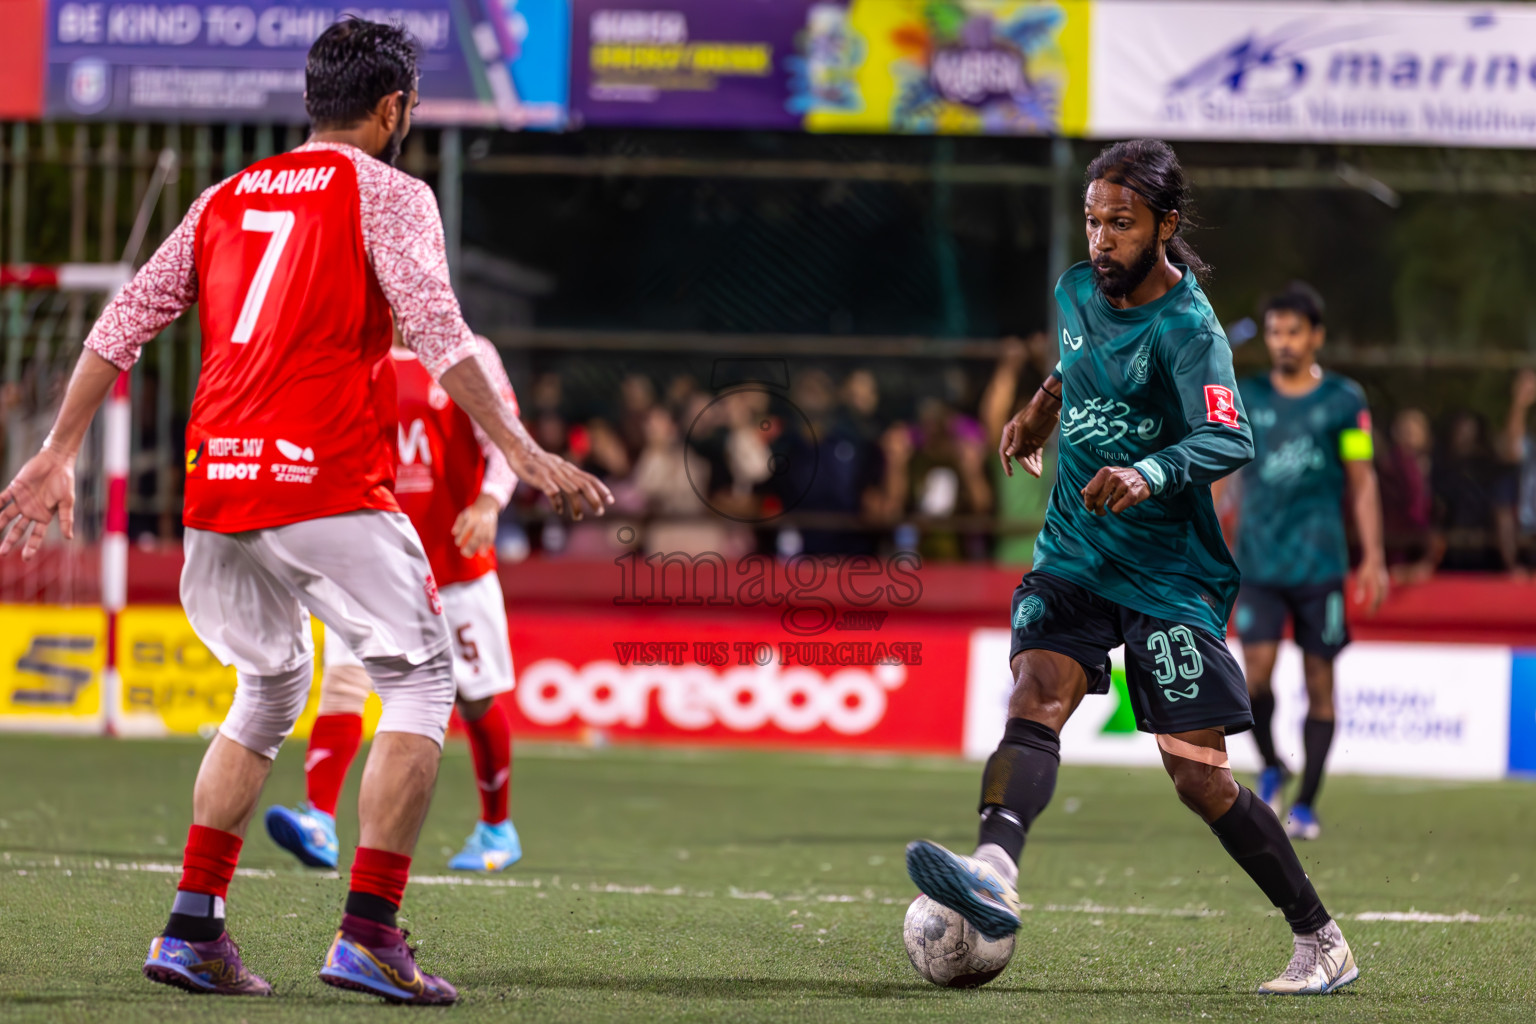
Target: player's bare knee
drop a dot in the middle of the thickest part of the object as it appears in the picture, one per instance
(417, 699)
(1259, 667)
(1207, 790)
(265, 709)
(1259, 686)
(344, 689)
(1048, 710)
(1041, 697)
(1317, 672)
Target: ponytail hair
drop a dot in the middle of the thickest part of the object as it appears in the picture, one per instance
(1149, 168)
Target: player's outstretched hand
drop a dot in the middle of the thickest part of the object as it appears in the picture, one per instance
(1371, 584)
(45, 487)
(1025, 435)
(563, 484)
(1115, 489)
(475, 528)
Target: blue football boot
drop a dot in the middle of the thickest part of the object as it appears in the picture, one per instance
(489, 848)
(1272, 788)
(969, 886)
(308, 834)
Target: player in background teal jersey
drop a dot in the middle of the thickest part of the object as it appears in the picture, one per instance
(1312, 436)
(1132, 554)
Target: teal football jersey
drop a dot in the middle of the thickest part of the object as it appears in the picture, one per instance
(1150, 387)
(1291, 530)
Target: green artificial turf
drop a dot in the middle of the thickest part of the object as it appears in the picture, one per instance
(670, 886)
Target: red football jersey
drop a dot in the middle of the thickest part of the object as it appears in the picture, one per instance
(445, 463)
(297, 263)
(290, 421)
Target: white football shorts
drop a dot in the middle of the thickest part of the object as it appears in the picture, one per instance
(477, 627)
(249, 597)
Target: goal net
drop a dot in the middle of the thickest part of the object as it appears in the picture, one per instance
(45, 313)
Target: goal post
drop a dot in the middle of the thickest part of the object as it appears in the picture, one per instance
(41, 329)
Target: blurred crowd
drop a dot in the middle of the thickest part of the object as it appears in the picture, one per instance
(1465, 500)
(822, 464)
(817, 463)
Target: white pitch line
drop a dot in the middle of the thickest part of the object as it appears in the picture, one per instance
(613, 888)
(1418, 917)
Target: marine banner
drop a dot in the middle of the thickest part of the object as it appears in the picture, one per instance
(51, 661)
(952, 67)
(685, 63)
(1414, 73)
(491, 62)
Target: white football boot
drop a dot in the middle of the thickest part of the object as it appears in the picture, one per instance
(1322, 963)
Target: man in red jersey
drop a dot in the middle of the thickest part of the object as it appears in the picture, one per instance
(296, 265)
(453, 483)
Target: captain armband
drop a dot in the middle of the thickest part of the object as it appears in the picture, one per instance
(1355, 445)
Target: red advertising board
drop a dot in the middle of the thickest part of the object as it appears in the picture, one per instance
(741, 680)
(21, 60)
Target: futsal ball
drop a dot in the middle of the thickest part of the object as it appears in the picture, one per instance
(947, 950)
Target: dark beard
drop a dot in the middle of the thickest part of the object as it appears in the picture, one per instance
(1116, 282)
(392, 147)
(396, 139)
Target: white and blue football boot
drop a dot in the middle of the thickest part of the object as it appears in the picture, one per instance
(1302, 823)
(489, 848)
(1320, 964)
(308, 834)
(969, 886)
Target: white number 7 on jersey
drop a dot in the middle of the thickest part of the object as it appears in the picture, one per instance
(278, 224)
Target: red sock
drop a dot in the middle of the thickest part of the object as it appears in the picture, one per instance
(208, 863)
(380, 873)
(332, 745)
(490, 743)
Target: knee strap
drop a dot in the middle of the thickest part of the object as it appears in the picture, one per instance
(417, 698)
(265, 709)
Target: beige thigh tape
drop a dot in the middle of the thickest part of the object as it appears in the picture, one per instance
(344, 689)
(1190, 752)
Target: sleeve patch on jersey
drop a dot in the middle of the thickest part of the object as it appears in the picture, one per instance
(1219, 406)
(1356, 445)
(1363, 420)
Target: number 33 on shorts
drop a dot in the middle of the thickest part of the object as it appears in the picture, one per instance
(1176, 664)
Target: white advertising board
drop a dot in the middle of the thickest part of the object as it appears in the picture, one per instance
(1409, 73)
(1429, 710)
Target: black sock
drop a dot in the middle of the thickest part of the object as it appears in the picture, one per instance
(195, 917)
(1018, 782)
(1264, 727)
(1254, 838)
(1316, 738)
(373, 908)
